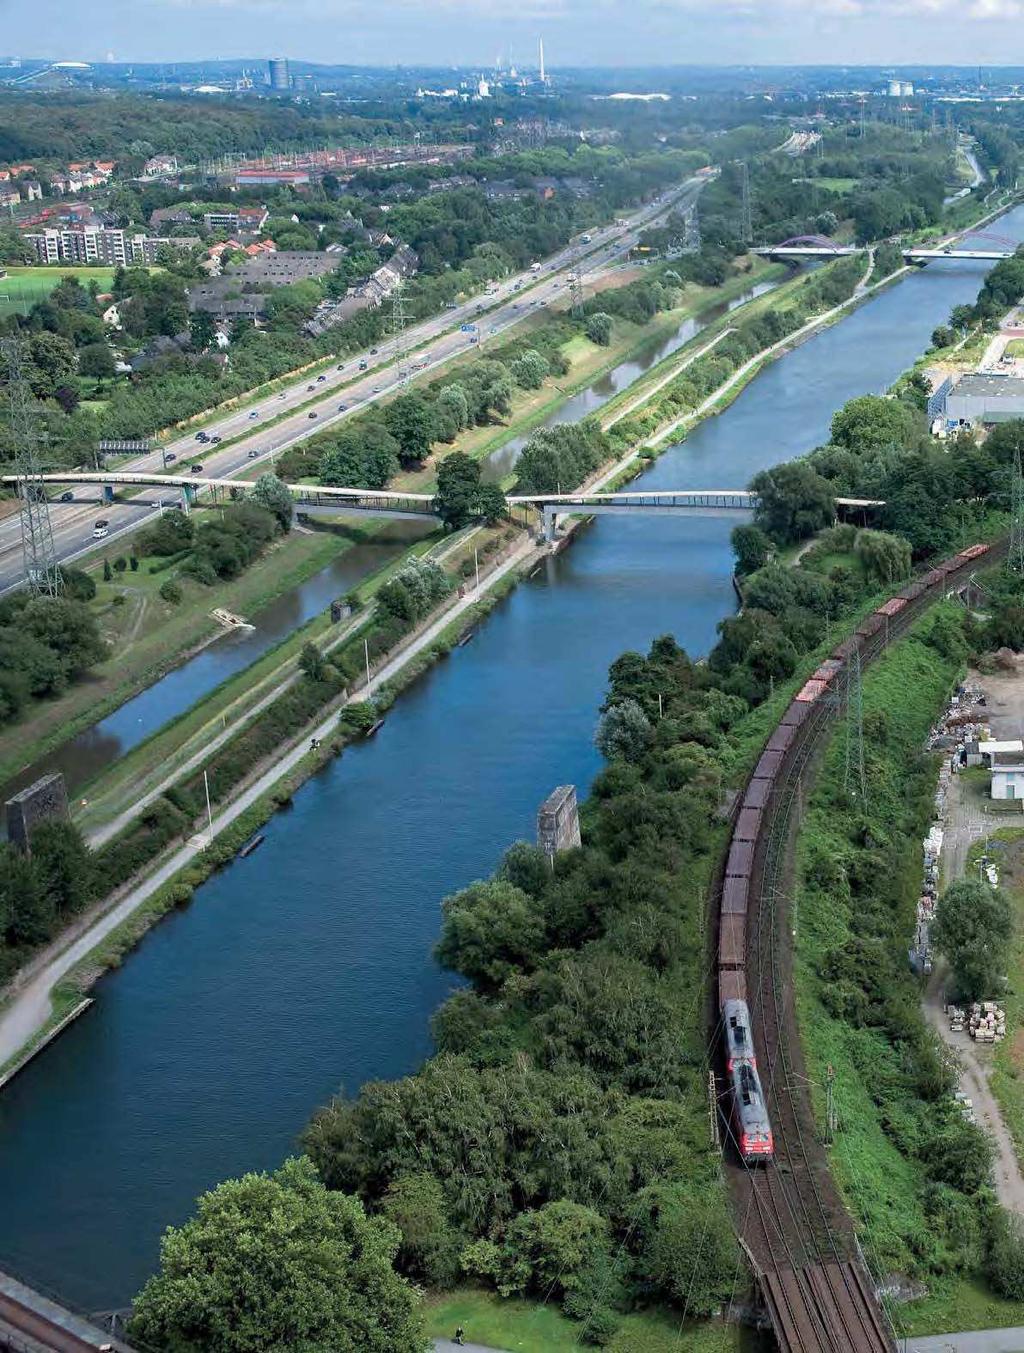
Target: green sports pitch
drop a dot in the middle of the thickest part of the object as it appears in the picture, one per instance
(21, 288)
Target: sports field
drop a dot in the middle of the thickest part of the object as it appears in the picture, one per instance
(22, 287)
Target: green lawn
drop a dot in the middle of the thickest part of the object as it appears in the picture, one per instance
(23, 287)
(525, 1327)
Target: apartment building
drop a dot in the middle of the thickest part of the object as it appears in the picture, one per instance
(102, 247)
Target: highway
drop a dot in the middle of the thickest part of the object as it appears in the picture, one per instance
(345, 390)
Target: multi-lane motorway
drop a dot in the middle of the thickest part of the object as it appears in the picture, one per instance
(258, 432)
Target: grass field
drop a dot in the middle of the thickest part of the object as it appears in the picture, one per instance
(21, 288)
(526, 1327)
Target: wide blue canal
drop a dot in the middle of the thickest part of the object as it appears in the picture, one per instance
(307, 969)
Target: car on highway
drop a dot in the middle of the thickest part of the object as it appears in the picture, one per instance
(170, 502)
(201, 437)
(320, 378)
(311, 414)
(169, 456)
(376, 389)
(255, 413)
(100, 529)
(310, 387)
(340, 366)
(362, 366)
(195, 469)
(342, 408)
(68, 497)
(214, 439)
(373, 352)
(251, 455)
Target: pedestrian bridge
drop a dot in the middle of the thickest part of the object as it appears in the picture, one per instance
(820, 247)
(691, 502)
(325, 500)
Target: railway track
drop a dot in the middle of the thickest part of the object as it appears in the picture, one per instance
(792, 1221)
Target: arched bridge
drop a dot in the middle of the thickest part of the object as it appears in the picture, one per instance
(325, 500)
(993, 248)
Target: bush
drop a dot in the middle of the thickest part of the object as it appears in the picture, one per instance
(120, 564)
(170, 591)
(1005, 1265)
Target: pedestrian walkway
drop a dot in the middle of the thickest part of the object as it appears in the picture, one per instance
(973, 1341)
(447, 1346)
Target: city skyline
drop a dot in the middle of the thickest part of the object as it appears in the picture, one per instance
(576, 32)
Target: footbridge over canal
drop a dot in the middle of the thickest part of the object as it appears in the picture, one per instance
(326, 501)
(819, 248)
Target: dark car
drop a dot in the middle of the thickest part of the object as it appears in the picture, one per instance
(342, 408)
(214, 439)
(68, 497)
(253, 455)
(321, 378)
(195, 469)
(200, 436)
(372, 351)
(169, 456)
(311, 414)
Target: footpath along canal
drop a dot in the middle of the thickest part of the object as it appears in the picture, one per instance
(307, 967)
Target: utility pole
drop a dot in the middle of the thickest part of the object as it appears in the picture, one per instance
(1015, 558)
(716, 1139)
(39, 555)
(853, 771)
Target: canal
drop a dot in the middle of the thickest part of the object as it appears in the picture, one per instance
(90, 752)
(307, 968)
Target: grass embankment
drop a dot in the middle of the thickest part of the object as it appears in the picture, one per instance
(858, 1006)
(148, 636)
(526, 1327)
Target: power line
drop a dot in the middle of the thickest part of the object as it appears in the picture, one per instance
(39, 555)
(853, 771)
(399, 319)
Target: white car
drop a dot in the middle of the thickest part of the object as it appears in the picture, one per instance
(100, 530)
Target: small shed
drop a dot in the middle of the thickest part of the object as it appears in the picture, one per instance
(1008, 775)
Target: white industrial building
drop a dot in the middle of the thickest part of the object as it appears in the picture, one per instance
(1008, 775)
(983, 397)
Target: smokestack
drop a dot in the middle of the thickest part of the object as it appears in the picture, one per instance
(543, 78)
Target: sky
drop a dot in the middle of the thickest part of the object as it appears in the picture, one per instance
(471, 32)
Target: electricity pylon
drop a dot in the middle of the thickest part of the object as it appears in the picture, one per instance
(39, 555)
(576, 285)
(1015, 558)
(399, 319)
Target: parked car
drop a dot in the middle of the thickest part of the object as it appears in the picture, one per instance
(101, 529)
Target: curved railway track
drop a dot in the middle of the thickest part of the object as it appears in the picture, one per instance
(792, 1221)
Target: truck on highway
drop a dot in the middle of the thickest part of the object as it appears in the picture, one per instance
(584, 239)
(535, 267)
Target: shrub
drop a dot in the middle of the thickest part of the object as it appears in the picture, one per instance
(170, 592)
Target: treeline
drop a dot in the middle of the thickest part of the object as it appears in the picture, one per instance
(1002, 288)
(43, 892)
(46, 643)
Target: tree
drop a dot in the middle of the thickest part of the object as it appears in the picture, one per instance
(201, 329)
(458, 484)
(107, 571)
(689, 1251)
(751, 547)
(884, 556)
(490, 503)
(410, 420)
(793, 501)
(271, 494)
(68, 627)
(429, 1249)
(26, 912)
(311, 661)
(489, 931)
(62, 866)
(624, 732)
(943, 337)
(275, 1262)
(530, 369)
(452, 399)
(599, 328)
(52, 363)
(871, 422)
(973, 926)
(96, 360)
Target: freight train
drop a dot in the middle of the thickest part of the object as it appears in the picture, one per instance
(782, 756)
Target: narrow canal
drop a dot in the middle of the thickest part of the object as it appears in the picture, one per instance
(307, 968)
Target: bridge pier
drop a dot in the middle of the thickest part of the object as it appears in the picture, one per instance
(551, 519)
(108, 493)
(188, 497)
